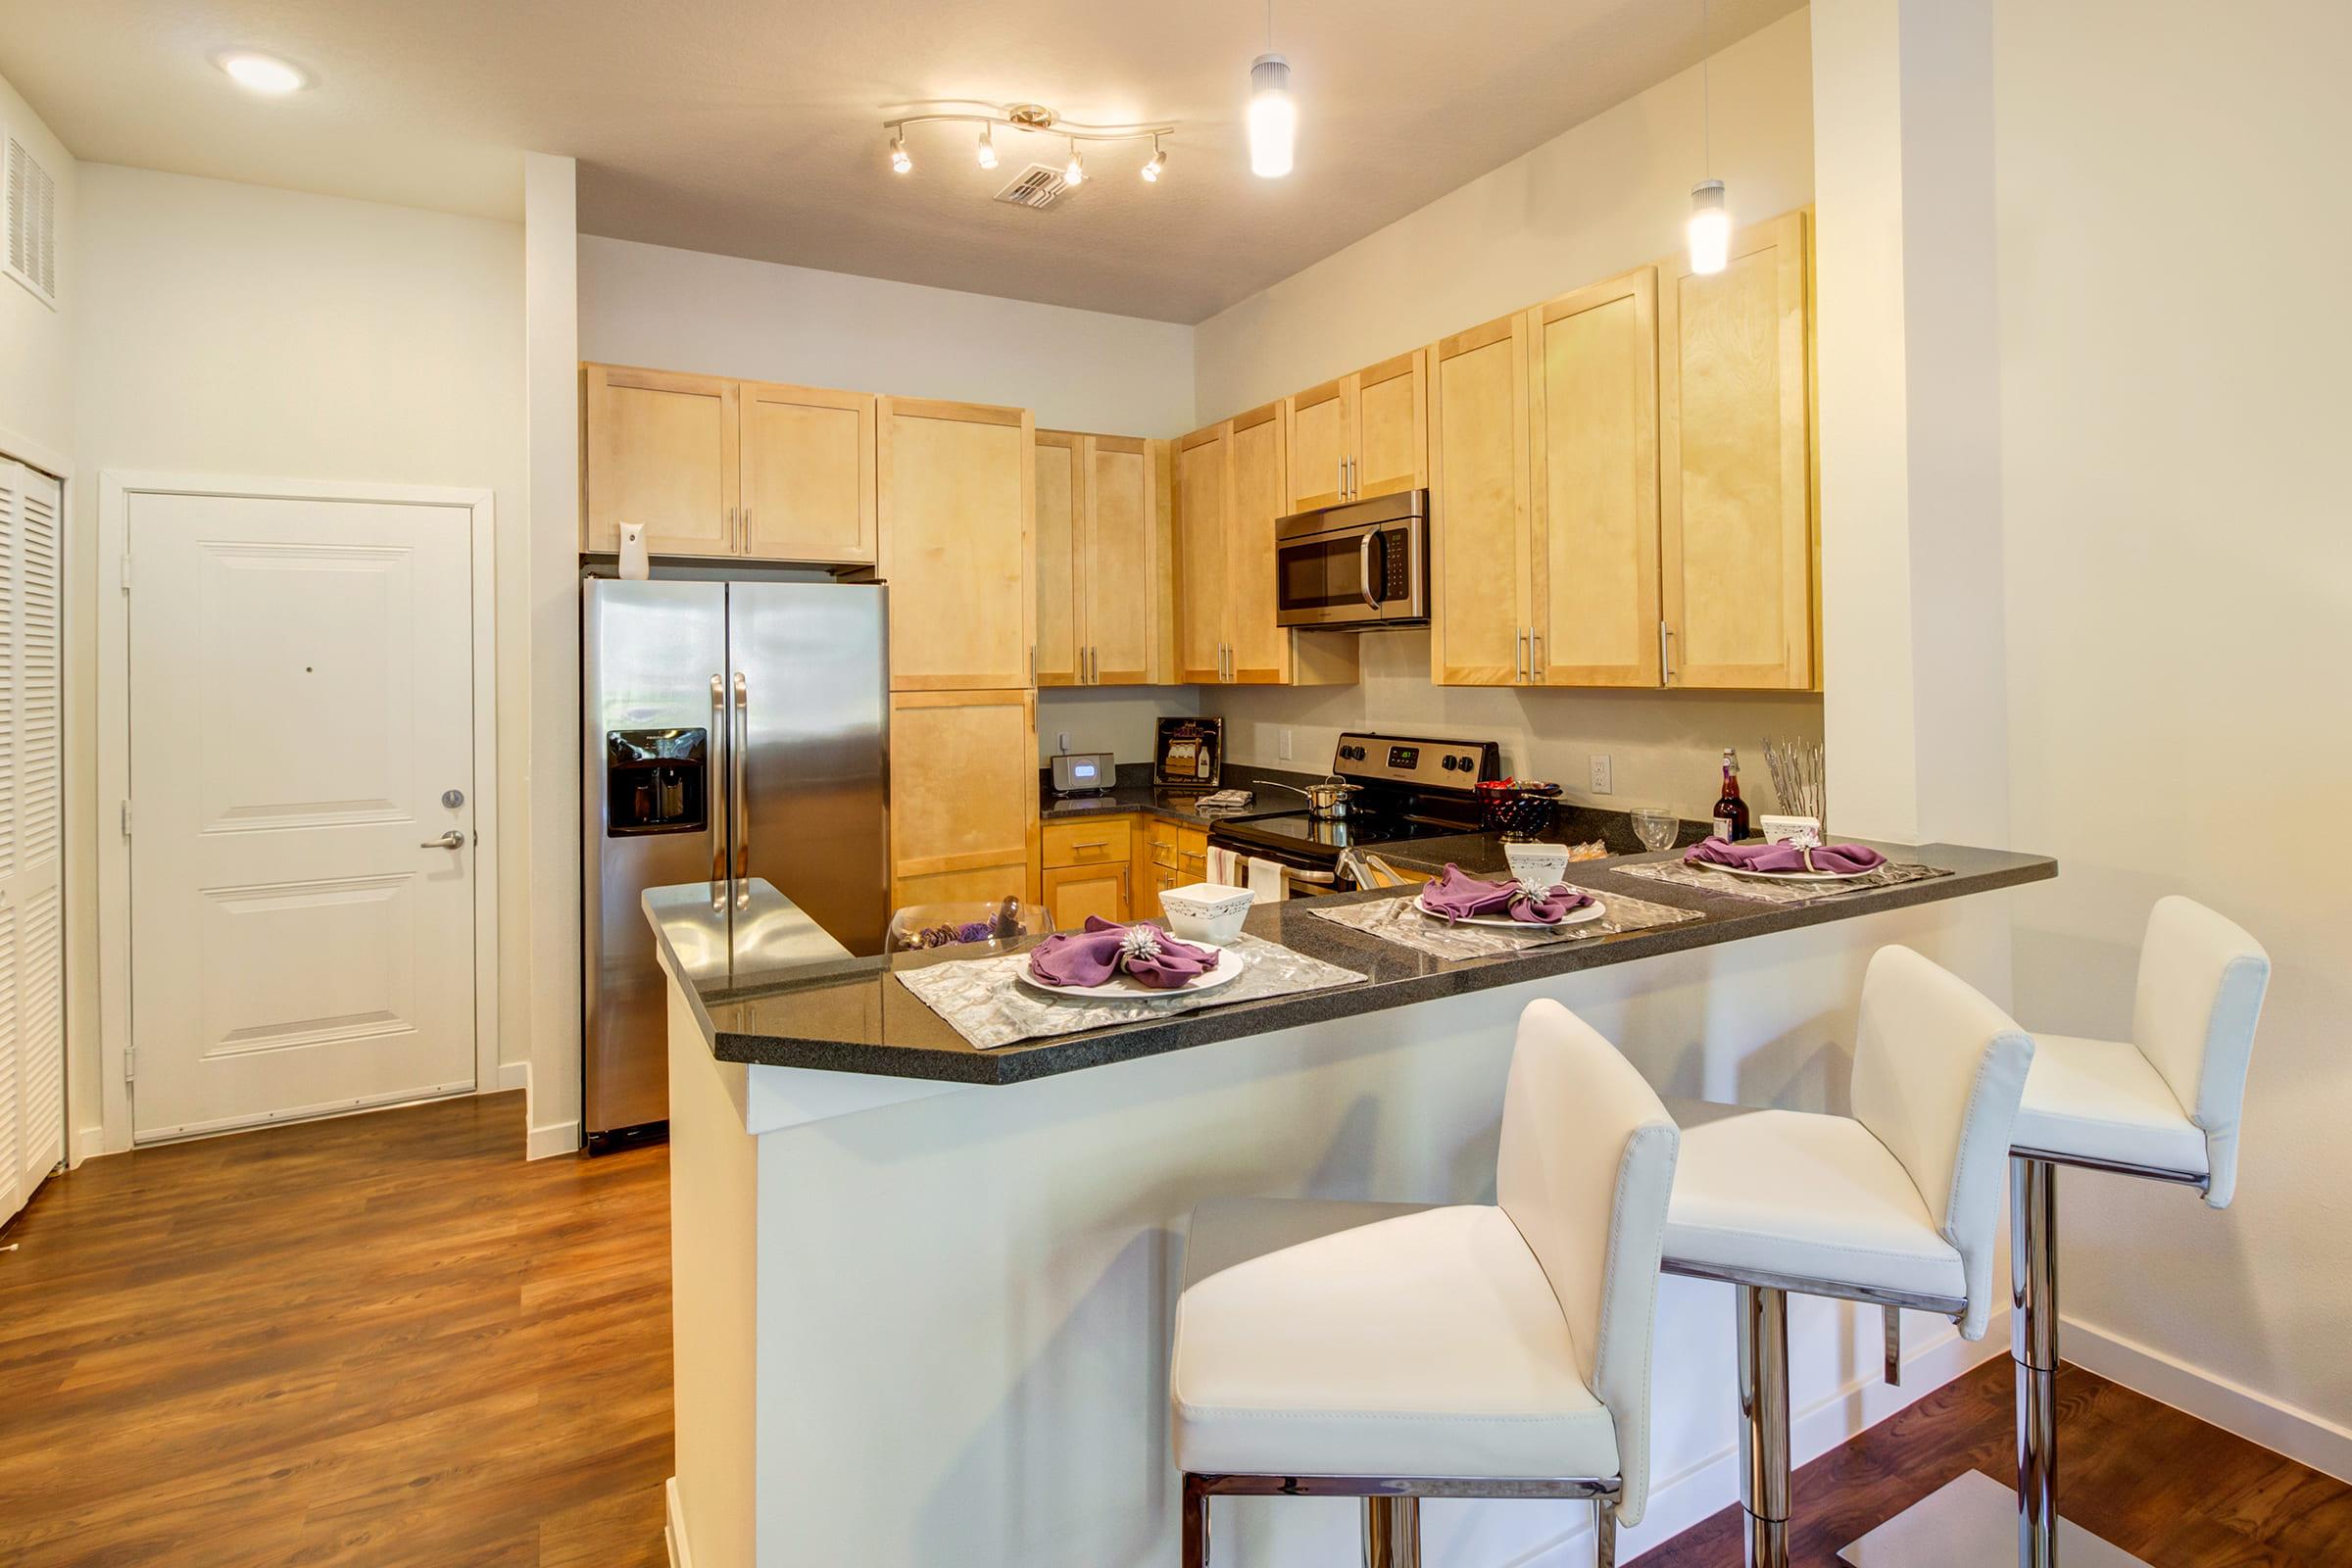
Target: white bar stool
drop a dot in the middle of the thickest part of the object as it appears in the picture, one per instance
(1898, 1206)
(1394, 1353)
(2112, 1105)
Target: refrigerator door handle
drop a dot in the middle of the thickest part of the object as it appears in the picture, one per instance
(738, 795)
(718, 819)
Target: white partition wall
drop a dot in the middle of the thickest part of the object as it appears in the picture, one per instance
(33, 998)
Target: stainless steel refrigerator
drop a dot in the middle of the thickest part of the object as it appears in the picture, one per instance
(734, 731)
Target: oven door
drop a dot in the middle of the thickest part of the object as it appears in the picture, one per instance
(1357, 574)
(1305, 873)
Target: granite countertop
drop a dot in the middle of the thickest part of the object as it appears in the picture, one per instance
(1135, 792)
(810, 1009)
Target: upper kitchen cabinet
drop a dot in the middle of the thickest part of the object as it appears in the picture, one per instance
(1102, 592)
(1482, 591)
(962, 796)
(660, 450)
(808, 459)
(1230, 489)
(1736, 541)
(1593, 458)
(1359, 436)
(720, 467)
(957, 512)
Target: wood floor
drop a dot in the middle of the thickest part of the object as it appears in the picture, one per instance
(388, 1341)
(383, 1339)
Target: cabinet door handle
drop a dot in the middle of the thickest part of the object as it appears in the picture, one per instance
(1338, 476)
(1535, 655)
(743, 529)
(1519, 655)
(1665, 658)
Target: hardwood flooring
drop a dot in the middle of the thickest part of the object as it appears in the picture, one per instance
(382, 1339)
(2160, 1484)
(388, 1341)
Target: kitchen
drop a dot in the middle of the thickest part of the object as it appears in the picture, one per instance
(809, 593)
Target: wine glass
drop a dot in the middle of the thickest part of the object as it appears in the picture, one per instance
(1655, 826)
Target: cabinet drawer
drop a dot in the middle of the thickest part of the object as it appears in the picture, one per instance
(1087, 842)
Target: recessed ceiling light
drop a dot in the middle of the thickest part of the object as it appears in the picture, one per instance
(266, 75)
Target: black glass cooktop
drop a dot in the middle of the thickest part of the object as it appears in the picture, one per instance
(1358, 830)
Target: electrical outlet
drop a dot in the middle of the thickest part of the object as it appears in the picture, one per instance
(1602, 784)
(1061, 741)
(1285, 747)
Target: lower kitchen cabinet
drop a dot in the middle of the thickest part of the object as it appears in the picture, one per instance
(962, 796)
(1169, 855)
(1075, 892)
(1087, 867)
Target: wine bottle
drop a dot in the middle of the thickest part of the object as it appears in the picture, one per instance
(1731, 812)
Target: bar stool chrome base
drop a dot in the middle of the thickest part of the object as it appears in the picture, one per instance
(1972, 1523)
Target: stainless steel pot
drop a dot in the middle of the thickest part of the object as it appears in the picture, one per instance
(1326, 802)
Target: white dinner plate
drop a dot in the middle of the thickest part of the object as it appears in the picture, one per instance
(1792, 876)
(1125, 988)
(1504, 922)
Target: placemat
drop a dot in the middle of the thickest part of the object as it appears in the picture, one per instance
(1894, 873)
(984, 1003)
(1396, 920)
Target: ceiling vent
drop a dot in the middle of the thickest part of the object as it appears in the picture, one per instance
(32, 223)
(1036, 186)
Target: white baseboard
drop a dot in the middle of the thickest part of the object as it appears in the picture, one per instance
(514, 1075)
(85, 1142)
(673, 1531)
(1680, 1501)
(556, 1137)
(2301, 1435)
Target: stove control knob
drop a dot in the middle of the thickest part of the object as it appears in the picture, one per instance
(1448, 762)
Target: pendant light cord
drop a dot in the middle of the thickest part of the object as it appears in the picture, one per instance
(1706, 93)
(1269, 26)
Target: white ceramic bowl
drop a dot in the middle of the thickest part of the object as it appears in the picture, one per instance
(1536, 864)
(1206, 911)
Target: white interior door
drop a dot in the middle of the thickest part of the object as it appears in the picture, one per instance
(301, 698)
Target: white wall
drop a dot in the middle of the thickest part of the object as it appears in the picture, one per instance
(36, 343)
(1609, 194)
(230, 328)
(2174, 413)
(723, 316)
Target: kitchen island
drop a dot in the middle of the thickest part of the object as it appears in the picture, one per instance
(922, 1292)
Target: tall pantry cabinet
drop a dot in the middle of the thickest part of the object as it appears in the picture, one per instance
(32, 1004)
(957, 508)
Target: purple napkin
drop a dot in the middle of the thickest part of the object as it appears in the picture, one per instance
(1839, 859)
(1456, 895)
(1145, 953)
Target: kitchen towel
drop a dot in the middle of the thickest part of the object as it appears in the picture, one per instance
(1224, 866)
(1268, 880)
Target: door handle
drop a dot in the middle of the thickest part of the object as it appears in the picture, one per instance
(1519, 655)
(1351, 478)
(718, 819)
(1665, 656)
(1364, 565)
(451, 840)
(737, 796)
(1535, 653)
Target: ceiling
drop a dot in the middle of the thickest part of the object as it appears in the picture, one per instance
(751, 128)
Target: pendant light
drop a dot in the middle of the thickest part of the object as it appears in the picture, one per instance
(897, 153)
(1073, 173)
(1158, 164)
(988, 149)
(1710, 219)
(1273, 117)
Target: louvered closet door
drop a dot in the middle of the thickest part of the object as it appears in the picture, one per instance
(32, 1110)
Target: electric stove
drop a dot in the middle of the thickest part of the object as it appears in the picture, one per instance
(1408, 788)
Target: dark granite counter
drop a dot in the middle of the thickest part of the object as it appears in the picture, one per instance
(852, 1015)
(1135, 792)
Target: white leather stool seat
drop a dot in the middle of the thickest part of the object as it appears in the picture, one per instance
(1804, 1197)
(2104, 1099)
(1376, 1340)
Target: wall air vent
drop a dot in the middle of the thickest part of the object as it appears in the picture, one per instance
(31, 221)
(1037, 186)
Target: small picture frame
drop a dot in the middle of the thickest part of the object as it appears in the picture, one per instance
(1189, 753)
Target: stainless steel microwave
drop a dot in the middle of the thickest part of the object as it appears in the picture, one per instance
(1365, 563)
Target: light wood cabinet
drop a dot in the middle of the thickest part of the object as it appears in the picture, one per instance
(1104, 615)
(1361, 435)
(963, 795)
(659, 449)
(1734, 439)
(957, 516)
(807, 464)
(1230, 489)
(1169, 855)
(719, 467)
(1482, 549)
(1072, 893)
(1592, 407)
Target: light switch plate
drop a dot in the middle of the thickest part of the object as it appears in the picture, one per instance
(1285, 747)
(1061, 741)
(1602, 781)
